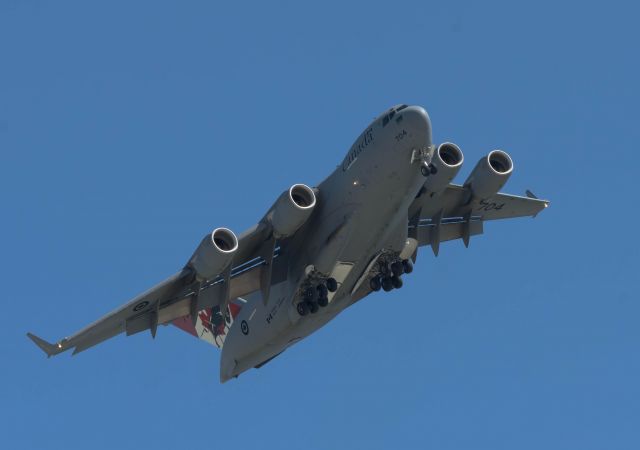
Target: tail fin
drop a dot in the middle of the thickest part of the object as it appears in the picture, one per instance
(210, 325)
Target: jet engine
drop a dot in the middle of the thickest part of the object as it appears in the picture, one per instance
(445, 164)
(291, 210)
(214, 253)
(490, 174)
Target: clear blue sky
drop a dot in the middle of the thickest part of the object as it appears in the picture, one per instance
(130, 129)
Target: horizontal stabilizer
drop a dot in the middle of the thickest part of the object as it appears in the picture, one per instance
(48, 348)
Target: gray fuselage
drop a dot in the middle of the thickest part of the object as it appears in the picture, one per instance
(361, 212)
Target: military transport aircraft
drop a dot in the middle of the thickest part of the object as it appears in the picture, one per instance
(320, 249)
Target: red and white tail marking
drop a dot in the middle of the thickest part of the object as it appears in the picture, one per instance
(210, 325)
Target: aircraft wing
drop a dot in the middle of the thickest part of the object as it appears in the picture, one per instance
(452, 215)
(177, 296)
(113, 323)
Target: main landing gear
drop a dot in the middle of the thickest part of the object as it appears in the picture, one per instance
(316, 296)
(389, 276)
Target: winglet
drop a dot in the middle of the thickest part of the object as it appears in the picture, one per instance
(48, 348)
(546, 205)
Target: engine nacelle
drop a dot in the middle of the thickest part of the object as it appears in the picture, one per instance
(447, 159)
(490, 174)
(292, 209)
(214, 253)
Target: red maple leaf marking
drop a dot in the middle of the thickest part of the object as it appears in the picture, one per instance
(234, 309)
(205, 318)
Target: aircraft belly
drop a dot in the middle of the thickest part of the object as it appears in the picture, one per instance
(284, 340)
(362, 209)
(379, 225)
(255, 328)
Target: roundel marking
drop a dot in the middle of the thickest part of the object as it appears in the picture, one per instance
(141, 306)
(244, 327)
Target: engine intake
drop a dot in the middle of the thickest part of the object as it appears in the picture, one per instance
(447, 160)
(214, 253)
(292, 209)
(490, 174)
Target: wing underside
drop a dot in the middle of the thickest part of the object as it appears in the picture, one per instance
(450, 215)
(173, 301)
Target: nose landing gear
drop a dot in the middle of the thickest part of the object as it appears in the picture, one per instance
(427, 170)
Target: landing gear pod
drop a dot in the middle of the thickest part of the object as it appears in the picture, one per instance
(445, 164)
(490, 174)
(214, 253)
(292, 209)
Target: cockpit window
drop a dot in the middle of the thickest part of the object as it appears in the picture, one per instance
(388, 117)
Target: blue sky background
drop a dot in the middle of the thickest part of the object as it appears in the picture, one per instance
(130, 129)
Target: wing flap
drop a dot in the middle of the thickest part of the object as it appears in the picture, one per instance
(92, 339)
(432, 234)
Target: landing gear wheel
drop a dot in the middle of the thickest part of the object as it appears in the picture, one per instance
(322, 290)
(433, 169)
(323, 301)
(397, 268)
(375, 283)
(397, 282)
(424, 170)
(332, 284)
(310, 294)
(387, 284)
(302, 308)
(313, 307)
(407, 265)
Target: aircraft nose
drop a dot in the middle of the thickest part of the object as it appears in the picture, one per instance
(417, 120)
